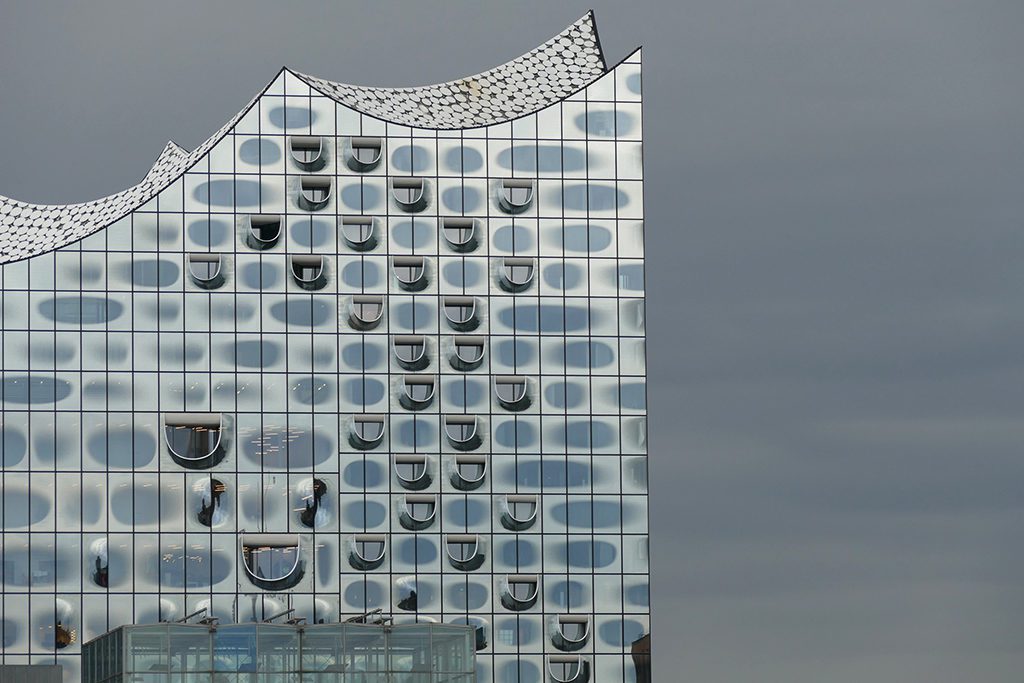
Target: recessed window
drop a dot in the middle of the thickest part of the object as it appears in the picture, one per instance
(309, 271)
(516, 195)
(412, 471)
(313, 512)
(516, 274)
(418, 511)
(272, 561)
(357, 231)
(210, 492)
(367, 431)
(411, 272)
(100, 563)
(511, 391)
(194, 439)
(308, 152)
(462, 432)
(519, 512)
(572, 632)
(364, 154)
(464, 551)
(469, 353)
(519, 591)
(409, 193)
(469, 472)
(567, 669)
(367, 551)
(411, 351)
(460, 311)
(460, 234)
(417, 392)
(366, 311)
(264, 230)
(205, 270)
(314, 192)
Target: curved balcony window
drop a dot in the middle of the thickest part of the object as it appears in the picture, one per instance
(64, 630)
(308, 152)
(460, 311)
(100, 563)
(366, 311)
(464, 551)
(272, 561)
(209, 492)
(314, 192)
(469, 353)
(567, 669)
(411, 351)
(462, 432)
(516, 195)
(511, 392)
(309, 271)
(205, 270)
(417, 392)
(460, 234)
(364, 154)
(519, 591)
(194, 439)
(519, 512)
(412, 471)
(409, 193)
(367, 431)
(264, 230)
(572, 632)
(411, 272)
(516, 274)
(367, 551)
(418, 511)
(357, 231)
(313, 507)
(469, 472)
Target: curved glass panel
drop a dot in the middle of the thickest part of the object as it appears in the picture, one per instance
(205, 270)
(367, 431)
(417, 392)
(519, 512)
(460, 234)
(412, 471)
(567, 669)
(309, 271)
(366, 311)
(462, 432)
(194, 439)
(409, 193)
(511, 392)
(410, 271)
(418, 511)
(313, 506)
(307, 152)
(411, 351)
(314, 192)
(516, 195)
(367, 551)
(572, 633)
(464, 551)
(364, 154)
(272, 561)
(209, 492)
(358, 233)
(469, 353)
(460, 311)
(516, 274)
(469, 472)
(519, 591)
(264, 230)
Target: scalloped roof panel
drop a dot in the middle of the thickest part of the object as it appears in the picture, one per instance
(557, 69)
(541, 77)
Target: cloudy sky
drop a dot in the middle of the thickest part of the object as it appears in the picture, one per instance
(836, 236)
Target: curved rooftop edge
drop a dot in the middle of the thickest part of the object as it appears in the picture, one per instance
(556, 70)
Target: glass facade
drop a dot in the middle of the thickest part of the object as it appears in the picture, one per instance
(337, 365)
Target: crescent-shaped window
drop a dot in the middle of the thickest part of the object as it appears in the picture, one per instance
(516, 195)
(469, 352)
(409, 194)
(460, 234)
(462, 432)
(519, 512)
(519, 592)
(460, 311)
(567, 669)
(205, 270)
(412, 471)
(516, 274)
(469, 472)
(511, 391)
(411, 272)
(307, 152)
(366, 311)
(264, 230)
(417, 391)
(367, 431)
(358, 233)
(314, 192)
(194, 439)
(363, 154)
(411, 351)
(272, 561)
(572, 633)
(367, 551)
(464, 551)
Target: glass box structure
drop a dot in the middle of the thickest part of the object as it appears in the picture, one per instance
(271, 653)
(362, 349)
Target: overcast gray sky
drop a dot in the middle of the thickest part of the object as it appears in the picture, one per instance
(835, 196)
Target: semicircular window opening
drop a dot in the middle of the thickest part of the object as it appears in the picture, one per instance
(567, 669)
(516, 195)
(367, 551)
(272, 561)
(366, 311)
(309, 271)
(264, 230)
(308, 152)
(460, 311)
(412, 471)
(364, 153)
(511, 391)
(462, 432)
(358, 232)
(411, 351)
(409, 193)
(469, 353)
(417, 391)
(205, 270)
(411, 272)
(516, 274)
(464, 551)
(314, 192)
(460, 234)
(418, 511)
(469, 472)
(520, 591)
(519, 512)
(194, 440)
(367, 431)
(572, 633)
